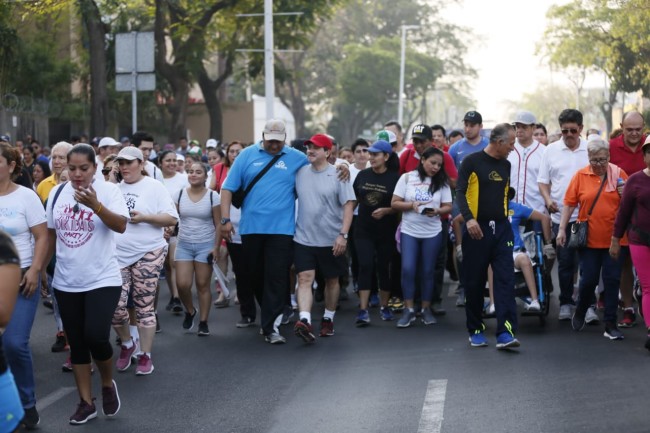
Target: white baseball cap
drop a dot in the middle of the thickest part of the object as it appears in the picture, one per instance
(108, 141)
(275, 130)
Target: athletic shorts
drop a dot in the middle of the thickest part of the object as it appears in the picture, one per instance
(319, 258)
(193, 252)
(516, 253)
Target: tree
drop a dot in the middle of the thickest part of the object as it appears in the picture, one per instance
(602, 35)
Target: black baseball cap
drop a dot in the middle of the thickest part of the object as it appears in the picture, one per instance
(473, 117)
(422, 131)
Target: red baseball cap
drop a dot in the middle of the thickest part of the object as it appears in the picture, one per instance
(320, 140)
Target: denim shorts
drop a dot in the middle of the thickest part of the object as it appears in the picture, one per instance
(193, 252)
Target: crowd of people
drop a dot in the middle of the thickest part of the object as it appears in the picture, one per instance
(392, 213)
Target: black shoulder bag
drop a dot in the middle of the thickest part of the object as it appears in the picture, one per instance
(239, 195)
(580, 229)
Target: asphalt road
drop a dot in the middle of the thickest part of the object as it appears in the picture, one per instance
(375, 379)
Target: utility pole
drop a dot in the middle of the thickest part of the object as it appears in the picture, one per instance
(400, 99)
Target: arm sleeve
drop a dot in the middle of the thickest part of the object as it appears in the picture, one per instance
(571, 196)
(543, 174)
(450, 166)
(400, 187)
(35, 212)
(461, 189)
(445, 195)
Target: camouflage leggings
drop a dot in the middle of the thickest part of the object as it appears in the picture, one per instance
(141, 279)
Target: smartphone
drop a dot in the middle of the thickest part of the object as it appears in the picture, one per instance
(424, 211)
(210, 258)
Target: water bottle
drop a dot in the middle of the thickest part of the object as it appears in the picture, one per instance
(619, 185)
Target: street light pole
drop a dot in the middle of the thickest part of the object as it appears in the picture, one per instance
(400, 103)
(269, 72)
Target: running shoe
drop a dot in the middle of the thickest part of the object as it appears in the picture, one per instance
(31, 419)
(460, 300)
(170, 304)
(275, 338)
(591, 318)
(478, 339)
(386, 314)
(577, 321)
(204, 331)
(222, 303)
(67, 366)
(566, 312)
(177, 307)
(145, 366)
(188, 322)
(326, 327)
(84, 413)
(533, 306)
(437, 309)
(629, 318)
(374, 300)
(304, 331)
(60, 344)
(506, 340)
(110, 400)
(124, 360)
(490, 310)
(245, 322)
(612, 332)
(287, 315)
(363, 318)
(407, 319)
(428, 317)
(397, 304)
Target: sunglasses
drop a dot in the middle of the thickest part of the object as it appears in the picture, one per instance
(571, 130)
(106, 170)
(361, 150)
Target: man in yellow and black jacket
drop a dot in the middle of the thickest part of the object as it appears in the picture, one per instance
(482, 195)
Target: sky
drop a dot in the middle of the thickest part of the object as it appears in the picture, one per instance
(504, 29)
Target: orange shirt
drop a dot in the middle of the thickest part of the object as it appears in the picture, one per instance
(581, 192)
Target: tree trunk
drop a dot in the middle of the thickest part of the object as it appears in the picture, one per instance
(97, 50)
(209, 89)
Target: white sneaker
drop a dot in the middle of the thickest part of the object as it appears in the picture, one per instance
(533, 306)
(591, 318)
(490, 309)
(566, 312)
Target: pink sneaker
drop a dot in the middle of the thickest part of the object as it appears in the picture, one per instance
(124, 361)
(67, 366)
(145, 366)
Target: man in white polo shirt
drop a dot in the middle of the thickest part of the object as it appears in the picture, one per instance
(560, 162)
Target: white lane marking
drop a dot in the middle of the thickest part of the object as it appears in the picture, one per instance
(52, 398)
(434, 407)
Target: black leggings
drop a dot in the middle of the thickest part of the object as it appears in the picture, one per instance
(374, 254)
(87, 318)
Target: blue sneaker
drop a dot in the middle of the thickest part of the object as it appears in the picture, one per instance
(386, 314)
(363, 318)
(506, 340)
(477, 339)
(374, 300)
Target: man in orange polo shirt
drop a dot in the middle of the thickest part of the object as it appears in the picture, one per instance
(626, 152)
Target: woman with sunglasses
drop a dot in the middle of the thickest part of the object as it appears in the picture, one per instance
(596, 188)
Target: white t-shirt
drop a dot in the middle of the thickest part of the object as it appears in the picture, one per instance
(19, 212)
(558, 166)
(153, 171)
(150, 197)
(410, 188)
(176, 183)
(99, 176)
(524, 169)
(86, 256)
(196, 223)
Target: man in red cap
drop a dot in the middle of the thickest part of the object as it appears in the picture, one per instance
(325, 207)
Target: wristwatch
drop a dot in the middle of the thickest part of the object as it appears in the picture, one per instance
(345, 236)
(225, 221)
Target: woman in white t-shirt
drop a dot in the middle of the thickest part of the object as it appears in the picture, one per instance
(22, 216)
(174, 182)
(197, 247)
(83, 218)
(422, 195)
(141, 251)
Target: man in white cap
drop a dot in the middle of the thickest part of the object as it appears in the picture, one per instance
(267, 221)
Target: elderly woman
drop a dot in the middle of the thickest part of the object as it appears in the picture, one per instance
(634, 216)
(594, 190)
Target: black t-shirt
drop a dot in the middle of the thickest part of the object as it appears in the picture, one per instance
(375, 191)
(482, 188)
(8, 256)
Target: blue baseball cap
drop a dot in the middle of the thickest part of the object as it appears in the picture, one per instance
(380, 146)
(5, 138)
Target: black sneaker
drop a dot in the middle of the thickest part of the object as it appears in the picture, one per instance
(31, 418)
(158, 330)
(177, 307)
(612, 332)
(188, 322)
(203, 329)
(170, 304)
(60, 344)
(245, 322)
(577, 321)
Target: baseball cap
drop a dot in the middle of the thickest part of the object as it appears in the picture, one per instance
(211, 143)
(320, 140)
(386, 135)
(125, 140)
(180, 157)
(108, 141)
(130, 153)
(5, 138)
(473, 117)
(422, 131)
(380, 146)
(274, 130)
(646, 143)
(525, 118)
(195, 150)
(95, 141)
